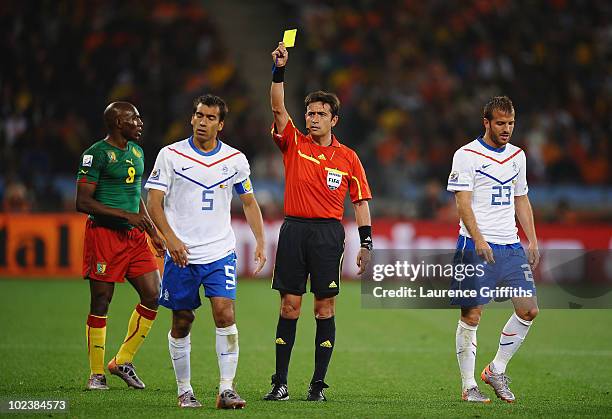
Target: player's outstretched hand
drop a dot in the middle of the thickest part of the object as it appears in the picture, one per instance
(260, 259)
(280, 55)
(484, 251)
(363, 259)
(533, 256)
(178, 252)
(159, 244)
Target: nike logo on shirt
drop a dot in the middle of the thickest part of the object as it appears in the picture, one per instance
(484, 166)
(186, 168)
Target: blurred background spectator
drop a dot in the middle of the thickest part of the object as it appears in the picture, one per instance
(412, 77)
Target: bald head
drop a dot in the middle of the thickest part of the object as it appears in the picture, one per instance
(123, 120)
(117, 111)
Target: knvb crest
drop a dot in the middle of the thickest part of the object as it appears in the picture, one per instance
(101, 268)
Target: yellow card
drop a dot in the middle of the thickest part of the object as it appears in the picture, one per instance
(289, 38)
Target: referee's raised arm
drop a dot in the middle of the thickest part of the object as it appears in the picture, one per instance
(277, 91)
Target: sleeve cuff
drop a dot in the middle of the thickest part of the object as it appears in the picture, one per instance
(156, 185)
(454, 187)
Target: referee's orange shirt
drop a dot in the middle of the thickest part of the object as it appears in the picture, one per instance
(317, 177)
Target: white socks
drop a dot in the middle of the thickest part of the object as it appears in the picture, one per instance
(180, 353)
(512, 337)
(465, 343)
(227, 355)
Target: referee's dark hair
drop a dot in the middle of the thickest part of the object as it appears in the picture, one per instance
(325, 97)
(500, 103)
(211, 100)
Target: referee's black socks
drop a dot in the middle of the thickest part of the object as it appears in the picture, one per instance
(285, 337)
(324, 345)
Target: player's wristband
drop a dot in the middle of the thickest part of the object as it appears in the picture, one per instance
(365, 237)
(278, 74)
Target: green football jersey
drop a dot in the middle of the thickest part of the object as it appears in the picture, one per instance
(117, 175)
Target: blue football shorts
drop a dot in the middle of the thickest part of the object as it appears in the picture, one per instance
(180, 287)
(511, 270)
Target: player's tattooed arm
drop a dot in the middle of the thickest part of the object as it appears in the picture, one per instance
(252, 212)
(277, 91)
(176, 248)
(524, 213)
(86, 203)
(464, 207)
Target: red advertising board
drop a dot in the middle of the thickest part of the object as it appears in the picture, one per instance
(51, 245)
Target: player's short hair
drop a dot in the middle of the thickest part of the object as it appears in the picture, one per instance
(113, 110)
(499, 103)
(211, 100)
(325, 97)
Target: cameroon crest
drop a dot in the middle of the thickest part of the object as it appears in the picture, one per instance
(101, 268)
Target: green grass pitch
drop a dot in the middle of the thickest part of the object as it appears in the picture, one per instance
(387, 363)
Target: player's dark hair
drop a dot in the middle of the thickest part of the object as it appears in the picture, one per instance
(324, 97)
(499, 103)
(211, 101)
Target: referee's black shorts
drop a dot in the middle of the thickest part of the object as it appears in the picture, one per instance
(309, 247)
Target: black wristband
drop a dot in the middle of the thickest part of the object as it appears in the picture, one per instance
(278, 74)
(365, 237)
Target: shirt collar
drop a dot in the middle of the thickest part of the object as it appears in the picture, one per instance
(203, 153)
(488, 147)
(334, 143)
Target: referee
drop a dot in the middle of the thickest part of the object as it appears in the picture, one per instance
(318, 172)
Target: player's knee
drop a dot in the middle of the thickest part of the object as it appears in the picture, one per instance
(471, 318)
(150, 300)
(99, 308)
(100, 303)
(225, 317)
(529, 314)
(290, 311)
(324, 312)
(181, 322)
(184, 316)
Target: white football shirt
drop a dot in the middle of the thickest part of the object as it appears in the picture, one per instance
(198, 194)
(495, 176)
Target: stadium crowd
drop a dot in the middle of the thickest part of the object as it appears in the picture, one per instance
(64, 61)
(412, 78)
